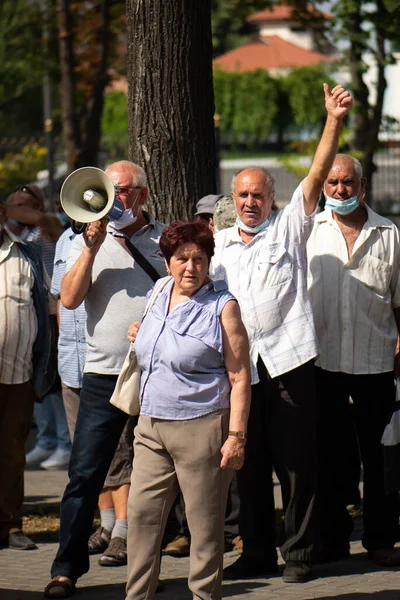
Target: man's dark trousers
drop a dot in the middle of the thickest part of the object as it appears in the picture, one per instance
(98, 430)
(373, 398)
(281, 434)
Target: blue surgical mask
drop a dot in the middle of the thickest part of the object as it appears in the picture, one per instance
(260, 227)
(342, 207)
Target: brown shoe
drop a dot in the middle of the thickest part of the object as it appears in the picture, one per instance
(386, 557)
(116, 554)
(180, 546)
(99, 541)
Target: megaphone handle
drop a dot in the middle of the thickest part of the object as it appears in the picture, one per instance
(91, 241)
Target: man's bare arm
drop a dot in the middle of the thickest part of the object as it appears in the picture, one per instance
(337, 102)
(49, 223)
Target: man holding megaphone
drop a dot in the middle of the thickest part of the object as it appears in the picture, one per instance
(111, 267)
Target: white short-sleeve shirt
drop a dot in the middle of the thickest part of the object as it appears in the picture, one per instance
(353, 298)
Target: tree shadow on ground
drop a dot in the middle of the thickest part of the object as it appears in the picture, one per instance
(357, 564)
(381, 595)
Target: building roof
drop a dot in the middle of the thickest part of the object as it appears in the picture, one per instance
(268, 52)
(282, 12)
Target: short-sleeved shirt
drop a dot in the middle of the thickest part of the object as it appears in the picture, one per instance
(353, 298)
(181, 355)
(268, 276)
(18, 320)
(71, 339)
(117, 295)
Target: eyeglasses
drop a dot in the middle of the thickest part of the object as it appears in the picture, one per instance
(126, 189)
(27, 190)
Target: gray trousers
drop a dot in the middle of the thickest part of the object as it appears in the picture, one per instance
(169, 455)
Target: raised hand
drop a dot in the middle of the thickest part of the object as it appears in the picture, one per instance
(338, 101)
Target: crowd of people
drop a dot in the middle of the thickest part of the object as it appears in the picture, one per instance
(266, 323)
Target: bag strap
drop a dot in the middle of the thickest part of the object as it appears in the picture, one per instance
(140, 259)
(160, 285)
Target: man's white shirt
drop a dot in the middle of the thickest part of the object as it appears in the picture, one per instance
(268, 276)
(353, 298)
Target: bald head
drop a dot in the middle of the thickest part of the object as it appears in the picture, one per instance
(130, 171)
(258, 172)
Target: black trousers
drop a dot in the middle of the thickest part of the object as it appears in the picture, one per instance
(373, 398)
(281, 434)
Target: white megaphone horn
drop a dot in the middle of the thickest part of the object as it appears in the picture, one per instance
(88, 195)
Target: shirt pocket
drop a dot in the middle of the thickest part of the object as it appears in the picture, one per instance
(20, 288)
(275, 265)
(375, 274)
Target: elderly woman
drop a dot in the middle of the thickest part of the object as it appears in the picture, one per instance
(193, 350)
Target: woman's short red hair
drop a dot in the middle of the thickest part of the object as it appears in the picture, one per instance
(187, 232)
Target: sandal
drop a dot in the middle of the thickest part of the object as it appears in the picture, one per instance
(59, 589)
(386, 557)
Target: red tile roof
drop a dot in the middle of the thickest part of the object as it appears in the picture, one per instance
(282, 12)
(269, 52)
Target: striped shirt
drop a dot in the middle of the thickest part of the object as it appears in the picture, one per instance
(18, 322)
(48, 248)
(268, 276)
(353, 298)
(71, 340)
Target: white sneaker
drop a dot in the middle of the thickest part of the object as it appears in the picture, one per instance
(37, 455)
(59, 459)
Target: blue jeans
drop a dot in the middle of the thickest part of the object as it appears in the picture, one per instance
(52, 422)
(98, 428)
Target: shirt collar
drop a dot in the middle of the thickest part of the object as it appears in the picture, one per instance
(373, 221)
(233, 236)
(218, 286)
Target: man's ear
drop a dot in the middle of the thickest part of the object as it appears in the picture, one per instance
(144, 194)
(363, 188)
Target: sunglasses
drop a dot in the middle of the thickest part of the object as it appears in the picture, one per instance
(27, 190)
(126, 189)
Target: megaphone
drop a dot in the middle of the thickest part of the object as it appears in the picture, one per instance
(88, 195)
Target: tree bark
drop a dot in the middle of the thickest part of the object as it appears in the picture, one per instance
(171, 102)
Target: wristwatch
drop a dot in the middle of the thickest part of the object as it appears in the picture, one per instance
(241, 435)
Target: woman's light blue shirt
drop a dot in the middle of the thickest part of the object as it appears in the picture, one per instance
(181, 355)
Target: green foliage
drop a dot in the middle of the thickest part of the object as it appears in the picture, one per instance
(21, 167)
(114, 119)
(253, 105)
(303, 86)
(246, 104)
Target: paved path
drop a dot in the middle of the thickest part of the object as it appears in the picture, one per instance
(23, 575)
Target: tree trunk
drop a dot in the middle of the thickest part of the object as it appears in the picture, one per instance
(70, 127)
(171, 102)
(92, 125)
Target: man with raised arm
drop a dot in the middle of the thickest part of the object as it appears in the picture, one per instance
(263, 260)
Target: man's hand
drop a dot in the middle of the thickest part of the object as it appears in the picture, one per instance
(338, 101)
(95, 233)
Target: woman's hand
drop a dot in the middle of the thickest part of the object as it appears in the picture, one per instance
(232, 453)
(133, 330)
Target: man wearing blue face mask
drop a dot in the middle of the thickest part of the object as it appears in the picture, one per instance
(112, 275)
(354, 287)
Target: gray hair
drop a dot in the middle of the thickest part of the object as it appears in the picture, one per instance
(269, 180)
(138, 175)
(356, 163)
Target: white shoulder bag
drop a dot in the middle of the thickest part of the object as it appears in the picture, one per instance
(126, 394)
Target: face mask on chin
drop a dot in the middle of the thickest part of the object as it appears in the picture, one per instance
(247, 229)
(341, 207)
